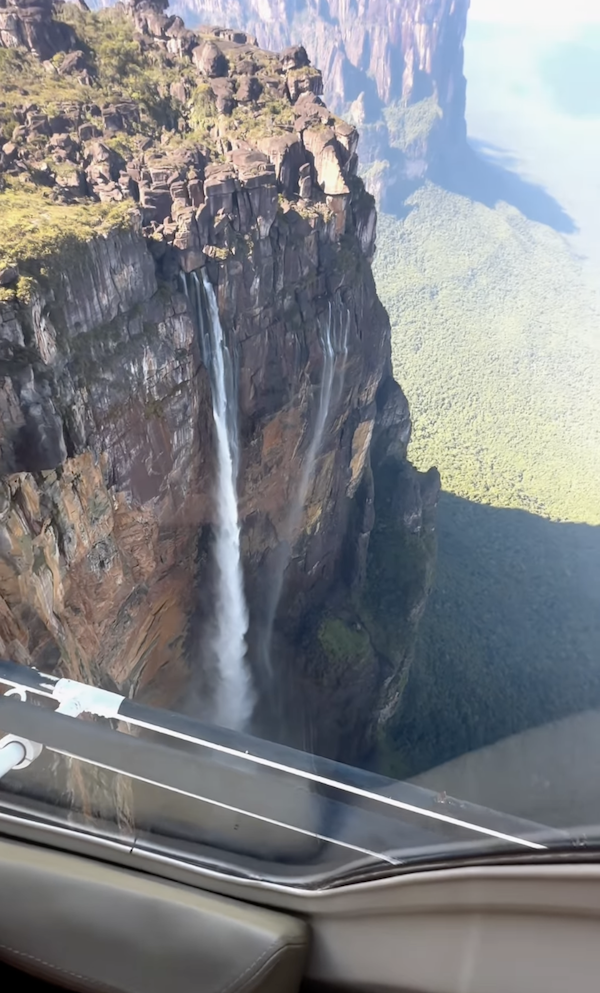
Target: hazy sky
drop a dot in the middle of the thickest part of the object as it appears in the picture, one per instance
(533, 93)
(538, 12)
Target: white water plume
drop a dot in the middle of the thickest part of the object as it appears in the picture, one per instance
(333, 336)
(234, 696)
(334, 342)
(329, 357)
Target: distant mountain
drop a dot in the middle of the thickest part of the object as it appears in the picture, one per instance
(395, 69)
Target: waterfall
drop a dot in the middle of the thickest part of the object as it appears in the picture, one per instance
(234, 696)
(333, 337)
(327, 337)
(334, 343)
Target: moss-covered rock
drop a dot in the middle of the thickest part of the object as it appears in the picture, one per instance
(346, 645)
(410, 126)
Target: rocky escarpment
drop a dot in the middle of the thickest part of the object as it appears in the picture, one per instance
(135, 152)
(395, 69)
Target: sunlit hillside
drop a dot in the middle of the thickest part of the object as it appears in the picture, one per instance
(496, 341)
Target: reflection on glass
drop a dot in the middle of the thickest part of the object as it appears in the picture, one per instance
(299, 430)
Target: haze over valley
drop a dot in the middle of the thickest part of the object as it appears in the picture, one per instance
(491, 282)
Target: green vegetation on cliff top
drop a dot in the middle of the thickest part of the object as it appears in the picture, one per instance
(36, 222)
(120, 71)
(35, 227)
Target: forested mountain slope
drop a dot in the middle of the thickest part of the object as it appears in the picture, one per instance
(495, 335)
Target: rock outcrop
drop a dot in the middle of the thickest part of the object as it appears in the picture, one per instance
(29, 24)
(190, 150)
(396, 68)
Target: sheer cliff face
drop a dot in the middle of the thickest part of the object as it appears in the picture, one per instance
(374, 54)
(228, 162)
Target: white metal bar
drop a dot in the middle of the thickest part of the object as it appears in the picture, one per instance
(11, 755)
(334, 784)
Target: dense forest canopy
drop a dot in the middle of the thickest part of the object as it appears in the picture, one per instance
(495, 339)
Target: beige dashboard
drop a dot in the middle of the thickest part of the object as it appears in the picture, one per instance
(128, 929)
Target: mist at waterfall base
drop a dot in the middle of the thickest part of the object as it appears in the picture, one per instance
(234, 696)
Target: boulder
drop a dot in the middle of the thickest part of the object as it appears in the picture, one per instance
(155, 202)
(31, 25)
(246, 67)
(301, 81)
(309, 109)
(179, 91)
(63, 143)
(322, 145)
(223, 90)
(111, 119)
(129, 113)
(8, 154)
(286, 152)
(179, 191)
(148, 16)
(9, 274)
(294, 57)
(105, 159)
(74, 62)
(274, 86)
(234, 36)
(347, 137)
(209, 60)
(220, 180)
(181, 41)
(88, 131)
(249, 160)
(109, 193)
(37, 123)
(249, 89)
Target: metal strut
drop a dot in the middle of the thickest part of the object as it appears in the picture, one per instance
(76, 698)
(73, 699)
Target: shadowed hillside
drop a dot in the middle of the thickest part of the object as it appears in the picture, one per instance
(511, 634)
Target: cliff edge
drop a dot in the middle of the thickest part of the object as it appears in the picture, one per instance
(138, 160)
(394, 68)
